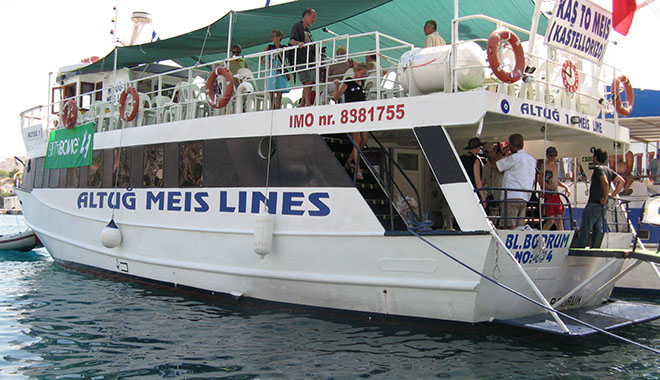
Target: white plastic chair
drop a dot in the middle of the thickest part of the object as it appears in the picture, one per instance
(160, 104)
(145, 115)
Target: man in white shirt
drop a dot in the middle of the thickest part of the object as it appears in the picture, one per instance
(432, 37)
(519, 169)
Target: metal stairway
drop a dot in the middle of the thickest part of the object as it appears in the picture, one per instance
(370, 187)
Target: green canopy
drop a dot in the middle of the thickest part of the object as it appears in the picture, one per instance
(402, 19)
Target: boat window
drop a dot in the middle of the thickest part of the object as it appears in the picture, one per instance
(121, 161)
(54, 178)
(408, 161)
(190, 164)
(94, 178)
(72, 177)
(39, 173)
(152, 173)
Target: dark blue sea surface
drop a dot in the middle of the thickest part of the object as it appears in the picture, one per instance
(56, 323)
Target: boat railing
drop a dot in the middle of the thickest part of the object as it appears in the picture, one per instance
(179, 94)
(497, 211)
(389, 172)
(542, 79)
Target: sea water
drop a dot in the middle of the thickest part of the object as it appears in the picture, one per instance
(60, 324)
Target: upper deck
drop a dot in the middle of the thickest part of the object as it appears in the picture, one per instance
(451, 85)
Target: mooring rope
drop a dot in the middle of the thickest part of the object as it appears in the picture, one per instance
(537, 303)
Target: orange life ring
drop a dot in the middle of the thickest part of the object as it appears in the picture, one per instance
(226, 91)
(69, 113)
(499, 35)
(569, 72)
(630, 95)
(135, 98)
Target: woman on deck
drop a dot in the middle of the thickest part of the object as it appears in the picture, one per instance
(353, 91)
(278, 82)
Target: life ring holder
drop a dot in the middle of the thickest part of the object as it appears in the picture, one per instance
(616, 94)
(493, 47)
(568, 72)
(69, 113)
(214, 100)
(132, 92)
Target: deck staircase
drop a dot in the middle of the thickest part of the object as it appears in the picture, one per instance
(369, 187)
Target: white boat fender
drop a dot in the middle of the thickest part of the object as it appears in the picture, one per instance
(263, 233)
(110, 235)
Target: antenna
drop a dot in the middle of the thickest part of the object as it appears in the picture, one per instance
(140, 19)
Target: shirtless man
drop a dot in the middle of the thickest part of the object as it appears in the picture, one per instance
(552, 204)
(623, 165)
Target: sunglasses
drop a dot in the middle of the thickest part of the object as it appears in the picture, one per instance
(274, 36)
(552, 155)
(235, 52)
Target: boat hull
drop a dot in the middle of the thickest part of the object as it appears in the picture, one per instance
(365, 271)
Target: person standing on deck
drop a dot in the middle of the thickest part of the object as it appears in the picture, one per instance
(549, 180)
(654, 168)
(491, 177)
(472, 164)
(432, 36)
(300, 35)
(599, 193)
(518, 168)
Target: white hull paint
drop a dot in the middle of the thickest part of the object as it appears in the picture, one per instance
(367, 272)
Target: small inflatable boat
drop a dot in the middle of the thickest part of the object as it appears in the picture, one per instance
(21, 241)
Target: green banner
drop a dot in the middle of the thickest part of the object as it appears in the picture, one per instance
(69, 148)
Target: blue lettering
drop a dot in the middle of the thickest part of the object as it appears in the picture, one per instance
(535, 241)
(524, 108)
(527, 242)
(186, 201)
(202, 205)
(525, 257)
(91, 201)
(271, 203)
(509, 241)
(101, 195)
(551, 239)
(223, 203)
(128, 200)
(82, 199)
(116, 196)
(288, 203)
(518, 256)
(549, 257)
(321, 208)
(564, 240)
(242, 201)
(158, 199)
(173, 199)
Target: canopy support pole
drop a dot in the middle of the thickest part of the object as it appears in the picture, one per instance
(532, 39)
(231, 29)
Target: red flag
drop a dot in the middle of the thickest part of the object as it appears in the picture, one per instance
(622, 15)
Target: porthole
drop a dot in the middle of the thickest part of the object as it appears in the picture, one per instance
(264, 144)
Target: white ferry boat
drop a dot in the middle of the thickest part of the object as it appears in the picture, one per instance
(161, 172)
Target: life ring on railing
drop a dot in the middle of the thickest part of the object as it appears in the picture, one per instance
(135, 99)
(499, 35)
(630, 95)
(226, 91)
(569, 76)
(69, 113)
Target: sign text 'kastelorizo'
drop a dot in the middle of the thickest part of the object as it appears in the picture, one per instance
(349, 116)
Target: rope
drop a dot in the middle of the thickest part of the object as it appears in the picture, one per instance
(201, 52)
(537, 303)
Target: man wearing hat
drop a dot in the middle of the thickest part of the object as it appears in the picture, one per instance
(519, 168)
(472, 164)
(549, 181)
